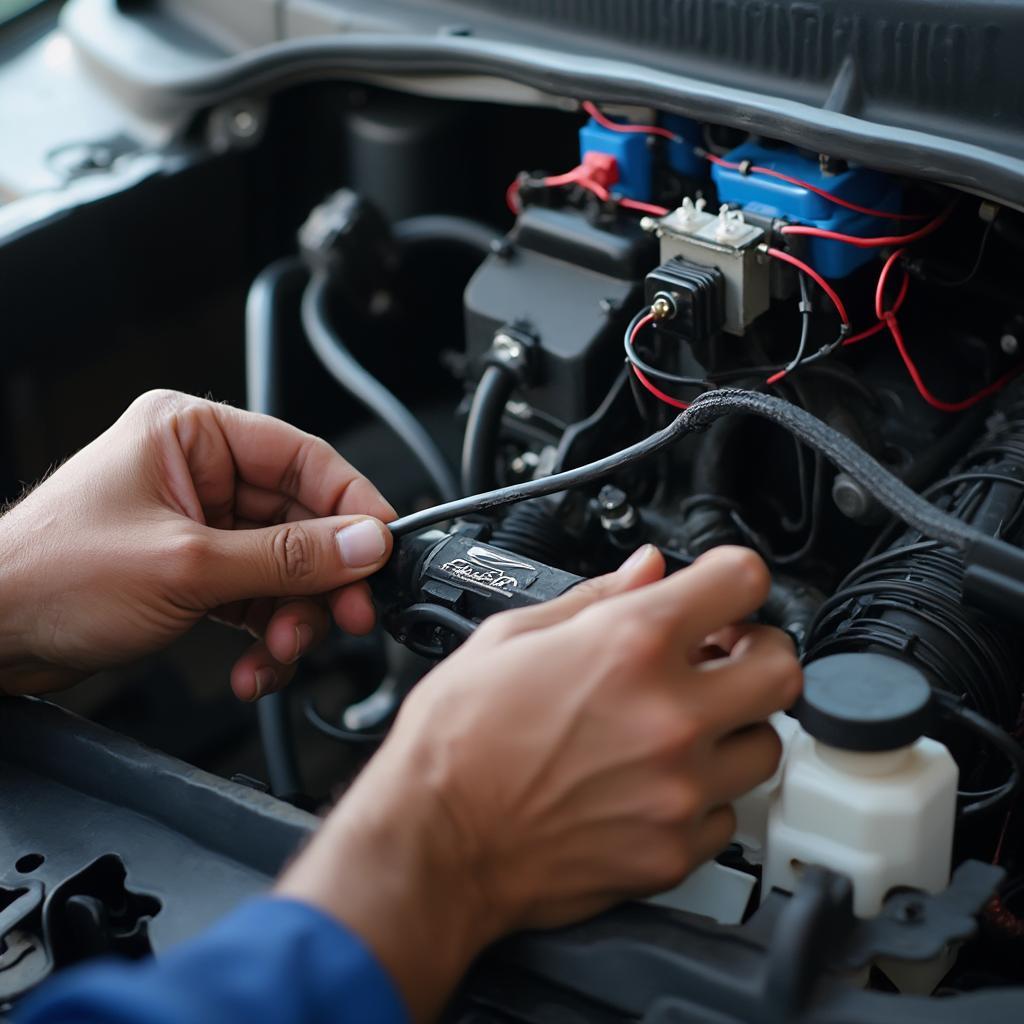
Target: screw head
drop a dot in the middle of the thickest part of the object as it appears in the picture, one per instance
(612, 499)
(507, 349)
(244, 123)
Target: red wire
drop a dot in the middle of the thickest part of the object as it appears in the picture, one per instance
(837, 200)
(922, 389)
(595, 173)
(878, 242)
(569, 178)
(643, 378)
(833, 295)
(887, 318)
(635, 204)
(632, 129)
(657, 392)
(883, 279)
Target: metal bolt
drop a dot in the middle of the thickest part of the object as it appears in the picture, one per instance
(244, 124)
(612, 499)
(1009, 344)
(507, 349)
(617, 514)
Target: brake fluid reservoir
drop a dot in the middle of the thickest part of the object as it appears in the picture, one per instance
(863, 792)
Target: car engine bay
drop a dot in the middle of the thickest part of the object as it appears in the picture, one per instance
(555, 321)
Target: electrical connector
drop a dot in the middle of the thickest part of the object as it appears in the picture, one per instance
(630, 152)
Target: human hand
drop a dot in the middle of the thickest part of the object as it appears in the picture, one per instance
(567, 757)
(182, 508)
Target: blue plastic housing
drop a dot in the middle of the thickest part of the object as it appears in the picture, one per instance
(631, 152)
(774, 198)
(682, 156)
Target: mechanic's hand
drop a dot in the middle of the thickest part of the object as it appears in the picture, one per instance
(566, 757)
(185, 507)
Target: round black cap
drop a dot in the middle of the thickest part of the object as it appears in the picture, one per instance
(867, 702)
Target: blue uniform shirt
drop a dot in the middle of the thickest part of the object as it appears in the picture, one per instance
(271, 960)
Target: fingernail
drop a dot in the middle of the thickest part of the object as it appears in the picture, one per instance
(266, 680)
(638, 556)
(303, 638)
(362, 543)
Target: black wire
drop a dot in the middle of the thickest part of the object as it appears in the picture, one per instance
(435, 615)
(732, 510)
(972, 273)
(447, 229)
(483, 427)
(998, 738)
(719, 377)
(339, 362)
(805, 325)
(815, 524)
(971, 477)
(798, 525)
(804, 488)
(653, 371)
(417, 615)
(263, 327)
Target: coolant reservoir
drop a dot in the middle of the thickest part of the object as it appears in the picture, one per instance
(863, 792)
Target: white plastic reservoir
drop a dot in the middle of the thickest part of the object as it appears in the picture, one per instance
(863, 792)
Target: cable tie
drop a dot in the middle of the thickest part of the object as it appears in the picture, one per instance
(744, 167)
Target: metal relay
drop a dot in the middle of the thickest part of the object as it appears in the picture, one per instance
(724, 241)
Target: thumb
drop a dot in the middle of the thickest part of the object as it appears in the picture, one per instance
(295, 559)
(644, 566)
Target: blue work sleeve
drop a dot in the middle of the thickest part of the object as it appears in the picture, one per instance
(272, 960)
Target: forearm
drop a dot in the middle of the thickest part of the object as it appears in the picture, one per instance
(25, 606)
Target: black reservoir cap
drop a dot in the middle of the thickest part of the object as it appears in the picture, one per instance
(864, 702)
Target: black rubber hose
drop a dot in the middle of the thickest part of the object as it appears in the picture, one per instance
(365, 388)
(998, 738)
(483, 426)
(436, 615)
(888, 490)
(445, 228)
(262, 372)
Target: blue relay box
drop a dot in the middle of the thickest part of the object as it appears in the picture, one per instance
(771, 197)
(631, 152)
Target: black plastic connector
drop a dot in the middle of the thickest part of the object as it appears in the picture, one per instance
(994, 578)
(350, 240)
(696, 295)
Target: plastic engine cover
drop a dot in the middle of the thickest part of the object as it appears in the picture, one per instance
(771, 197)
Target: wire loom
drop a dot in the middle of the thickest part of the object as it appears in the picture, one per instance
(907, 599)
(890, 492)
